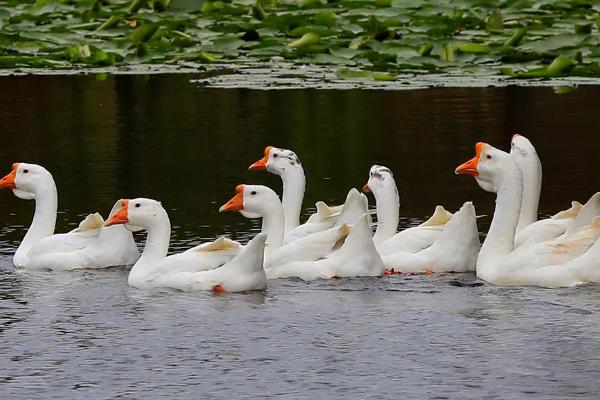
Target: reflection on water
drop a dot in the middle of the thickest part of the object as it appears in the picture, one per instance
(88, 334)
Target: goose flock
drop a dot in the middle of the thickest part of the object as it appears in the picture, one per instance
(335, 241)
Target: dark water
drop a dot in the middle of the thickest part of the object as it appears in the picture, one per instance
(87, 334)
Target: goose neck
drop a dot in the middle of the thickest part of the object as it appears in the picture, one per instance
(273, 226)
(157, 240)
(500, 238)
(532, 185)
(294, 185)
(44, 219)
(388, 213)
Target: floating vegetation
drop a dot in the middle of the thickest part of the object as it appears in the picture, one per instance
(364, 39)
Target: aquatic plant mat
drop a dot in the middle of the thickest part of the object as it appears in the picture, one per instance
(336, 40)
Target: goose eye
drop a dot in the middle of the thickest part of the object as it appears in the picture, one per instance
(25, 171)
(253, 192)
(489, 157)
(137, 205)
(275, 155)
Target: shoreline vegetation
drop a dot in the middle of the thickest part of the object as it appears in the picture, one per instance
(359, 39)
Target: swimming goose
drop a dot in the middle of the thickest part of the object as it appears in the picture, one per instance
(387, 238)
(88, 246)
(551, 263)
(455, 250)
(357, 257)
(529, 229)
(286, 164)
(221, 265)
(263, 201)
(355, 205)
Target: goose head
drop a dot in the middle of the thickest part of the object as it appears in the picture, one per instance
(252, 201)
(277, 161)
(136, 214)
(520, 146)
(489, 166)
(380, 179)
(25, 179)
(525, 155)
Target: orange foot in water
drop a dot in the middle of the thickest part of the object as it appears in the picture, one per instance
(218, 289)
(392, 271)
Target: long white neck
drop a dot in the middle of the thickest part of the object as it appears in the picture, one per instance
(44, 219)
(157, 241)
(388, 211)
(273, 225)
(500, 238)
(294, 185)
(531, 169)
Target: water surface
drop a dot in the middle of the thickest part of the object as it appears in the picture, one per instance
(87, 334)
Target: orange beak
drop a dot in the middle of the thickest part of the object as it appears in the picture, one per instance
(470, 167)
(366, 188)
(121, 216)
(261, 164)
(8, 182)
(237, 202)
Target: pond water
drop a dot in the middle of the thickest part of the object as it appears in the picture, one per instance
(87, 334)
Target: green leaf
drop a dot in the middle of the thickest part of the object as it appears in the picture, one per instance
(425, 49)
(206, 57)
(306, 40)
(472, 48)
(136, 5)
(143, 33)
(346, 73)
(110, 23)
(555, 42)
(325, 18)
(448, 52)
(516, 38)
(495, 21)
(560, 65)
(78, 52)
(257, 11)
(186, 5)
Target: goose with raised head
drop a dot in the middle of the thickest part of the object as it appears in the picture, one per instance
(529, 229)
(541, 264)
(455, 250)
(222, 265)
(356, 257)
(263, 201)
(286, 164)
(387, 238)
(90, 245)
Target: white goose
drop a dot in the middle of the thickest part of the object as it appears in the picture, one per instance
(88, 246)
(554, 263)
(455, 250)
(219, 266)
(387, 238)
(357, 257)
(258, 200)
(286, 164)
(355, 205)
(529, 229)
